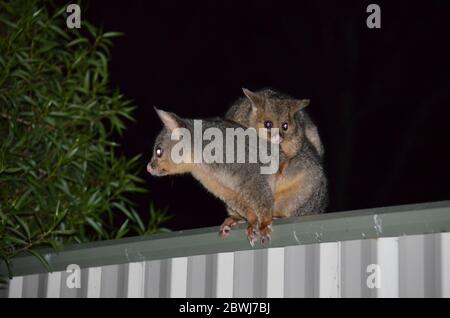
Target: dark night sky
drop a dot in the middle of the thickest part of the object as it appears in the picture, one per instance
(380, 97)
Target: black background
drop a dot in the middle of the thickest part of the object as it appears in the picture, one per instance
(380, 97)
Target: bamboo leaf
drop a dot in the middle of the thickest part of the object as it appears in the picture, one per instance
(24, 226)
(61, 178)
(112, 34)
(43, 261)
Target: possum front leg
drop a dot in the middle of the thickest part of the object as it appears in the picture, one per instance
(245, 214)
(230, 222)
(262, 206)
(265, 229)
(252, 221)
(258, 223)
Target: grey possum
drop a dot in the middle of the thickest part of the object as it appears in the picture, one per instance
(247, 193)
(301, 184)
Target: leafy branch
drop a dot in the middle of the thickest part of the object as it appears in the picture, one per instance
(62, 179)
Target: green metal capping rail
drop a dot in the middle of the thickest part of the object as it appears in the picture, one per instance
(343, 228)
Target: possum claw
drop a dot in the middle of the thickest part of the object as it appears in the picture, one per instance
(265, 233)
(252, 240)
(252, 236)
(224, 231)
(265, 240)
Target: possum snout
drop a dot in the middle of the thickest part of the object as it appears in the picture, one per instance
(151, 167)
(276, 139)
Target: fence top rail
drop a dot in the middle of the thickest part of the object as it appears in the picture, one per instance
(411, 219)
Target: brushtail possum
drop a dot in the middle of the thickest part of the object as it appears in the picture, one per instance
(301, 184)
(247, 193)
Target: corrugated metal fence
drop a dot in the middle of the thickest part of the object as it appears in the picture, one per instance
(405, 265)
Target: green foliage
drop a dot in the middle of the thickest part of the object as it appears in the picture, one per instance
(61, 180)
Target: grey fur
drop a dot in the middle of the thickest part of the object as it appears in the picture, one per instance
(255, 189)
(313, 198)
(307, 147)
(241, 110)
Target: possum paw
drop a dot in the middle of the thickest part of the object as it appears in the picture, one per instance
(265, 240)
(265, 233)
(252, 235)
(224, 231)
(227, 225)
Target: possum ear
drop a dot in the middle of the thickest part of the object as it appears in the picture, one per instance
(170, 120)
(299, 105)
(256, 99)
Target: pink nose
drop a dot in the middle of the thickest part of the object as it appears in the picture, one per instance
(276, 139)
(149, 168)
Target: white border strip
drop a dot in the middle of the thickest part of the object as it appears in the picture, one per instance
(15, 287)
(275, 272)
(178, 277)
(136, 280)
(94, 281)
(53, 285)
(388, 260)
(445, 265)
(224, 277)
(330, 270)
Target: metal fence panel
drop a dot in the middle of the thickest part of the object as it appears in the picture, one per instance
(403, 265)
(340, 269)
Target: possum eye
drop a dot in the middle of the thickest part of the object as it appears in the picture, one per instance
(285, 126)
(158, 152)
(268, 124)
